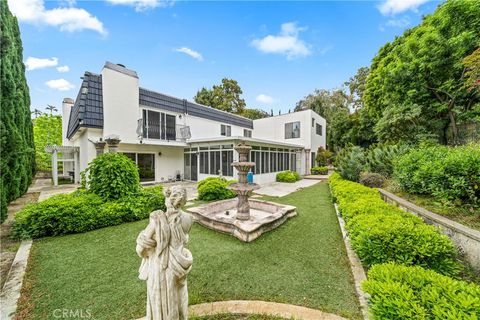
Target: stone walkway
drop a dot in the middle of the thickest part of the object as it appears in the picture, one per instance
(280, 189)
(287, 311)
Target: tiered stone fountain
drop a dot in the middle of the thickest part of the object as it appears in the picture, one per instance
(242, 188)
(243, 217)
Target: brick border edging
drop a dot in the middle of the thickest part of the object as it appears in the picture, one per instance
(357, 269)
(283, 310)
(13, 284)
(467, 239)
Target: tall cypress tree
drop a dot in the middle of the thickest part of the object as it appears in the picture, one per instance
(17, 158)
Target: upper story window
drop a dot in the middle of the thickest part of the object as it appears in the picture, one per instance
(292, 130)
(158, 125)
(247, 133)
(225, 130)
(319, 129)
(313, 122)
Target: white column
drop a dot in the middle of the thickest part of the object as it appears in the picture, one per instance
(55, 167)
(76, 167)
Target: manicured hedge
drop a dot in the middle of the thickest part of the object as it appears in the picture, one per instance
(383, 233)
(215, 188)
(287, 176)
(447, 173)
(83, 211)
(401, 292)
(319, 170)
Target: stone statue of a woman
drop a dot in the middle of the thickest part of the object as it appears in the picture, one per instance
(166, 262)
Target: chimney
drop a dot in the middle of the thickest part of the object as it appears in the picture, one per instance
(67, 105)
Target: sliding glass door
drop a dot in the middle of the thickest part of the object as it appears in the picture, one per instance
(145, 163)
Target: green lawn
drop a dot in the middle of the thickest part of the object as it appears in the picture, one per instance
(303, 262)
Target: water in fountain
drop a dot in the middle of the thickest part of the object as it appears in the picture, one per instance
(242, 188)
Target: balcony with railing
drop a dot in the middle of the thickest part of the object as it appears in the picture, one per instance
(163, 131)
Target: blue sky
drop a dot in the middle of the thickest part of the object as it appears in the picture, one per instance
(277, 51)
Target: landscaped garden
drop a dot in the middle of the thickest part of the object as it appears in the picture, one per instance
(302, 263)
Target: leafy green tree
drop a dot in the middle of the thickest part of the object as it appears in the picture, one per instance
(424, 69)
(47, 130)
(17, 163)
(226, 97)
(254, 114)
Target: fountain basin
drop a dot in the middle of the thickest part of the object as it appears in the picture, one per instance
(264, 216)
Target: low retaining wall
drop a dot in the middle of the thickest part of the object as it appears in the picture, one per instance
(466, 239)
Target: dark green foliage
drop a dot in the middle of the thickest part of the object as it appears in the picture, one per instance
(400, 292)
(47, 130)
(112, 176)
(214, 188)
(82, 211)
(323, 157)
(371, 179)
(254, 114)
(319, 170)
(225, 96)
(380, 157)
(287, 176)
(451, 174)
(416, 86)
(381, 232)
(17, 163)
(350, 162)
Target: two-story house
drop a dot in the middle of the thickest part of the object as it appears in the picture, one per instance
(171, 138)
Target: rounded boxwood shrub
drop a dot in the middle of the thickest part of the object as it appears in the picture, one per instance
(83, 211)
(112, 176)
(215, 188)
(372, 179)
(287, 176)
(319, 170)
(400, 292)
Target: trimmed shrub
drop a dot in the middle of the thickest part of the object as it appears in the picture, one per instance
(83, 211)
(383, 233)
(319, 170)
(350, 162)
(450, 174)
(112, 176)
(287, 176)
(402, 238)
(400, 292)
(372, 180)
(215, 188)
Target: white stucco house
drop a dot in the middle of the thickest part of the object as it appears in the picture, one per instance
(171, 138)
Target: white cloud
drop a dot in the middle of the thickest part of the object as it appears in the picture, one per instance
(263, 98)
(399, 23)
(66, 18)
(60, 84)
(63, 69)
(39, 63)
(286, 42)
(142, 5)
(392, 7)
(192, 53)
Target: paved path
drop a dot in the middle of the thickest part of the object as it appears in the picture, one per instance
(280, 189)
(287, 311)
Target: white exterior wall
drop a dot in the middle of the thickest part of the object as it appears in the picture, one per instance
(66, 109)
(120, 105)
(201, 128)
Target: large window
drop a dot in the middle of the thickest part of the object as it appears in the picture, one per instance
(319, 129)
(270, 160)
(292, 130)
(216, 160)
(225, 130)
(158, 125)
(145, 163)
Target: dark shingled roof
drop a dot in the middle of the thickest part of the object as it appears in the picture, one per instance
(88, 108)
